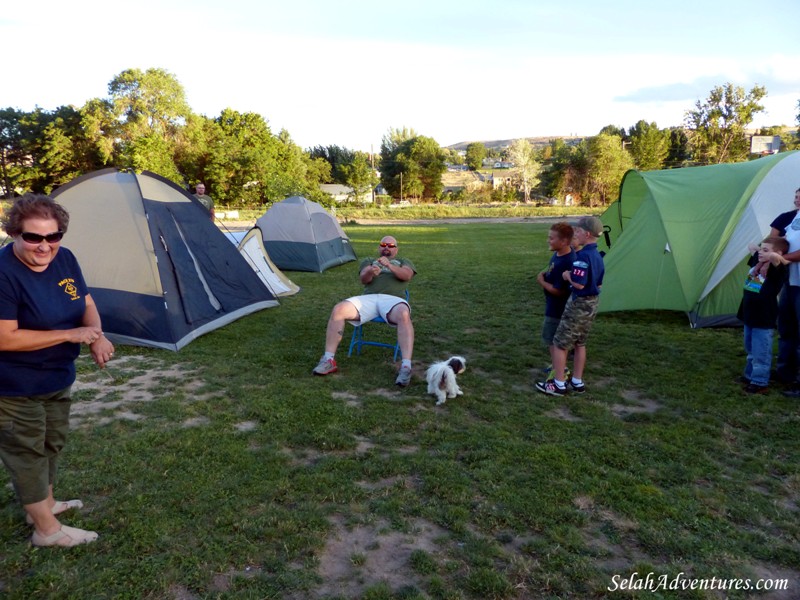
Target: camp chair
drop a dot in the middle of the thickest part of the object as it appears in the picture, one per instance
(358, 338)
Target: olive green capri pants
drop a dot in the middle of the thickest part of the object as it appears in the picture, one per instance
(33, 431)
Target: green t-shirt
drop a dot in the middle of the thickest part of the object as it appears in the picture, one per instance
(206, 201)
(385, 282)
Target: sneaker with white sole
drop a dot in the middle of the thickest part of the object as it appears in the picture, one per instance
(403, 377)
(326, 366)
(550, 388)
(578, 388)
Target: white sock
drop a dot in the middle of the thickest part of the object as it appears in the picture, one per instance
(328, 355)
(406, 363)
(576, 381)
(560, 384)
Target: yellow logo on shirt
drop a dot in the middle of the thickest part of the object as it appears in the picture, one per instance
(69, 288)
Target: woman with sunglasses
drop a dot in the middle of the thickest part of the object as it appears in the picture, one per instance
(46, 313)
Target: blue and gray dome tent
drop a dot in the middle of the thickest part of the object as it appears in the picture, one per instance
(300, 235)
(159, 270)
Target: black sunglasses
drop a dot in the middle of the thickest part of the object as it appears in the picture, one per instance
(35, 238)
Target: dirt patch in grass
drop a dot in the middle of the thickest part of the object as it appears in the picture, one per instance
(357, 558)
(112, 394)
(635, 404)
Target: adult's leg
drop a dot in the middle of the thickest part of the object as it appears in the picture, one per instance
(400, 316)
(344, 311)
(786, 364)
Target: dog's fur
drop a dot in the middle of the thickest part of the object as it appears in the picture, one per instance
(441, 378)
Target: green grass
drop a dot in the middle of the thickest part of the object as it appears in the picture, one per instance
(443, 211)
(242, 476)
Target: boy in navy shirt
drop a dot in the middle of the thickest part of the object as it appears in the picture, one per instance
(556, 288)
(585, 279)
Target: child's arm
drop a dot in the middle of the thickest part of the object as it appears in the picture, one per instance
(752, 248)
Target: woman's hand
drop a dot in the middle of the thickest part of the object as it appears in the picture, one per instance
(102, 350)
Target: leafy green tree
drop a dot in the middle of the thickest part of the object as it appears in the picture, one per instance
(391, 167)
(717, 126)
(526, 167)
(649, 146)
(613, 130)
(243, 159)
(568, 171)
(476, 152)
(336, 157)
(360, 175)
(608, 163)
(11, 150)
(679, 154)
(148, 105)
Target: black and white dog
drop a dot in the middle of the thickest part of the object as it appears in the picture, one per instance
(441, 378)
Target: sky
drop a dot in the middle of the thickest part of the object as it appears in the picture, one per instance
(345, 72)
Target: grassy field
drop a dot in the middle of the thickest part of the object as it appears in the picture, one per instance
(227, 471)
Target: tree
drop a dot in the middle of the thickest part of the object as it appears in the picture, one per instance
(608, 163)
(527, 168)
(717, 126)
(336, 157)
(679, 154)
(476, 152)
(392, 176)
(649, 146)
(11, 152)
(360, 175)
(151, 107)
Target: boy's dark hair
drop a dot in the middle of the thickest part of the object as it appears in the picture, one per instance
(33, 206)
(563, 230)
(779, 244)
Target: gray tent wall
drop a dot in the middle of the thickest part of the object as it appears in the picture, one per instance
(159, 270)
(300, 235)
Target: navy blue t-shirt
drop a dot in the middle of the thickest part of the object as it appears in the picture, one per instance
(588, 270)
(783, 220)
(554, 275)
(48, 300)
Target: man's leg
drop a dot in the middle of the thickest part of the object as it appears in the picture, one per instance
(400, 316)
(341, 313)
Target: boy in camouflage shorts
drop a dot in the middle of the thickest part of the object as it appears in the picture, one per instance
(585, 279)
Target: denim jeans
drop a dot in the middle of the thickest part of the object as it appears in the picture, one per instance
(758, 345)
(788, 332)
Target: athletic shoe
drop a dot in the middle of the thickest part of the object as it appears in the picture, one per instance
(548, 373)
(403, 377)
(792, 392)
(752, 388)
(578, 389)
(326, 366)
(549, 387)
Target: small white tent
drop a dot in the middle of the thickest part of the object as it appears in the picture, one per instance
(251, 246)
(300, 235)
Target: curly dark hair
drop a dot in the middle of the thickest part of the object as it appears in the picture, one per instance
(33, 206)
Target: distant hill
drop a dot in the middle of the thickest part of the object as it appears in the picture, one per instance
(536, 142)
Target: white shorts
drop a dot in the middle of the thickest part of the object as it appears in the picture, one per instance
(370, 306)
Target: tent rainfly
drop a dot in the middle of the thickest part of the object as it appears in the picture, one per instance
(677, 239)
(251, 246)
(159, 270)
(300, 235)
